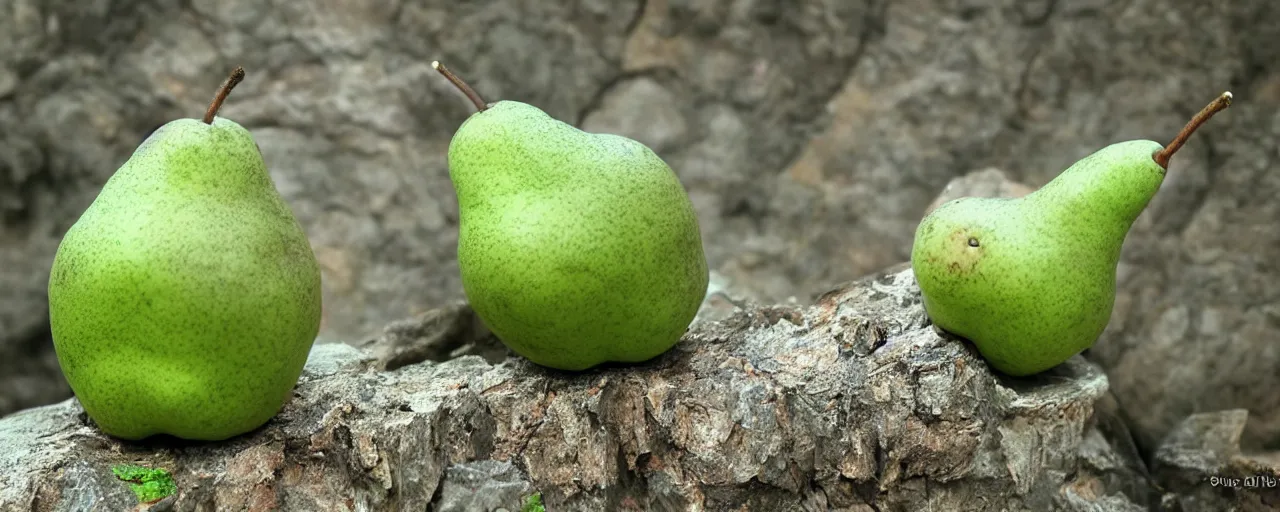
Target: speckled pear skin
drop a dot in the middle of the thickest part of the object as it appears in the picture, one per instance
(185, 299)
(575, 248)
(1040, 286)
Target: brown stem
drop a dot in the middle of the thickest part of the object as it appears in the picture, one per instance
(1218, 105)
(237, 75)
(462, 86)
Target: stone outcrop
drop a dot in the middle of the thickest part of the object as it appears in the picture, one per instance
(853, 404)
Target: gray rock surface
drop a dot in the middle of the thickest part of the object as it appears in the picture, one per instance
(483, 485)
(812, 135)
(1202, 466)
(853, 404)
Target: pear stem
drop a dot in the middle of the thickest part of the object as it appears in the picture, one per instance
(461, 85)
(237, 75)
(1218, 105)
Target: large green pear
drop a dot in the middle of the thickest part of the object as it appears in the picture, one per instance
(185, 299)
(575, 248)
(1031, 281)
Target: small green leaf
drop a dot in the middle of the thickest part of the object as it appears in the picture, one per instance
(149, 485)
(533, 503)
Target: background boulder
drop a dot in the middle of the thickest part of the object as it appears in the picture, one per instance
(812, 135)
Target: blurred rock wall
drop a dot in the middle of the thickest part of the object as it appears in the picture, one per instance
(811, 135)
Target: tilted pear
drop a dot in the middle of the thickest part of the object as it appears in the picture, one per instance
(185, 300)
(1031, 281)
(575, 248)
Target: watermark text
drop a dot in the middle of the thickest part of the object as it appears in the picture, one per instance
(1264, 481)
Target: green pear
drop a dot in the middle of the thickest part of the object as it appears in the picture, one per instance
(185, 299)
(1031, 281)
(575, 248)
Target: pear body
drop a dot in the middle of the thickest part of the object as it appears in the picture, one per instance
(184, 301)
(1032, 281)
(574, 248)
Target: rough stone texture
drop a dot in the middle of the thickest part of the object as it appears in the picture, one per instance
(812, 135)
(853, 404)
(985, 183)
(1201, 463)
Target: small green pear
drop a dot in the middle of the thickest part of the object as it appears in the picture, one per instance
(1031, 281)
(575, 248)
(186, 298)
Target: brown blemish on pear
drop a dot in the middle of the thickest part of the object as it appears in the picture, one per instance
(966, 251)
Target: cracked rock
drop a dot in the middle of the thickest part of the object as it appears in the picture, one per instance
(769, 409)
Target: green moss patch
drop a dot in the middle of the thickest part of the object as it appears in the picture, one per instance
(149, 485)
(533, 503)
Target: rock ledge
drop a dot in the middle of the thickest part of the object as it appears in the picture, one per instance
(855, 403)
